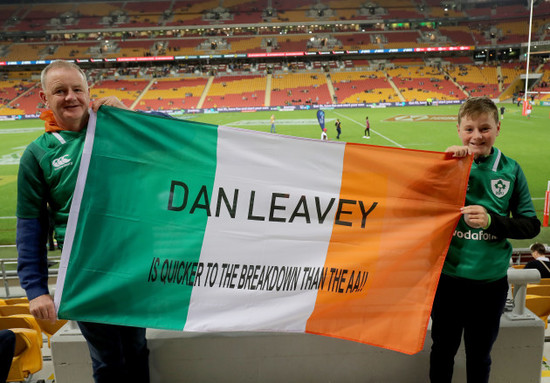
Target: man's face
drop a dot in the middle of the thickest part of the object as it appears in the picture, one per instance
(478, 133)
(67, 95)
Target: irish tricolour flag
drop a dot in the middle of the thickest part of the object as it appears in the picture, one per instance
(195, 227)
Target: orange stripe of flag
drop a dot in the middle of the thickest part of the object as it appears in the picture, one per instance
(402, 246)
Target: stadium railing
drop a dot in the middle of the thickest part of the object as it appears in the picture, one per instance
(10, 279)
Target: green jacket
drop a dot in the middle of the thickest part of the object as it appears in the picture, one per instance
(497, 183)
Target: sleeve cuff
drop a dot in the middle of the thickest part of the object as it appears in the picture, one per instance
(488, 222)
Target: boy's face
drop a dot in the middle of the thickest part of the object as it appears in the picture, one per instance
(478, 133)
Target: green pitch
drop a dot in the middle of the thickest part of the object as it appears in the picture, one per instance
(422, 128)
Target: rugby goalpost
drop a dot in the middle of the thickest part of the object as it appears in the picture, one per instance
(525, 100)
(527, 92)
(546, 212)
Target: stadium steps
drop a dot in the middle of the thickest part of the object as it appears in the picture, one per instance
(205, 91)
(27, 92)
(331, 88)
(138, 99)
(395, 88)
(267, 98)
(499, 75)
(452, 79)
(515, 86)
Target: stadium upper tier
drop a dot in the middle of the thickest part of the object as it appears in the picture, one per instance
(106, 29)
(81, 15)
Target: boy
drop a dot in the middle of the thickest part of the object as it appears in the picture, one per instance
(473, 286)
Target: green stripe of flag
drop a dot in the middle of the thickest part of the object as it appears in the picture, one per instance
(160, 155)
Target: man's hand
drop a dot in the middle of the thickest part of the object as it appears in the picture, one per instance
(42, 307)
(458, 151)
(110, 101)
(476, 216)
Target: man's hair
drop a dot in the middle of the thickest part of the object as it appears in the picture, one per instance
(538, 247)
(474, 106)
(60, 64)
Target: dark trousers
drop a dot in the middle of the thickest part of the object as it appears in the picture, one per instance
(472, 308)
(7, 350)
(119, 353)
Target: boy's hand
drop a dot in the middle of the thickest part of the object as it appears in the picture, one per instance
(458, 151)
(475, 216)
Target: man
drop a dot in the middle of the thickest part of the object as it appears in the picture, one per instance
(273, 124)
(541, 261)
(367, 128)
(338, 125)
(47, 177)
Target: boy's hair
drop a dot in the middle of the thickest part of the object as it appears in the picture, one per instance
(474, 106)
(60, 64)
(538, 247)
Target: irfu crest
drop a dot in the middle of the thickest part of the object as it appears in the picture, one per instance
(500, 187)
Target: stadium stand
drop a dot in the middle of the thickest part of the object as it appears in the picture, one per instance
(30, 102)
(509, 73)
(20, 52)
(457, 35)
(403, 12)
(126, 90)
(235, 91)
(166, 94)
(289, 43)
(352, 41)
(401, 39)
(240, 27)
(132, 48)
(420, 83)
(442, 10)
(189, 13)
(15, 97)
(92, 16)
(184, 46)
(146, 14)
(543, 84)
(514, 32)
(246, 45)
(300, 88)
(41, 16)
(69, 51)
(476, 81)
(363, 87)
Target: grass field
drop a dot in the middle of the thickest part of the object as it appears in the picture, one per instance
(424, 128)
